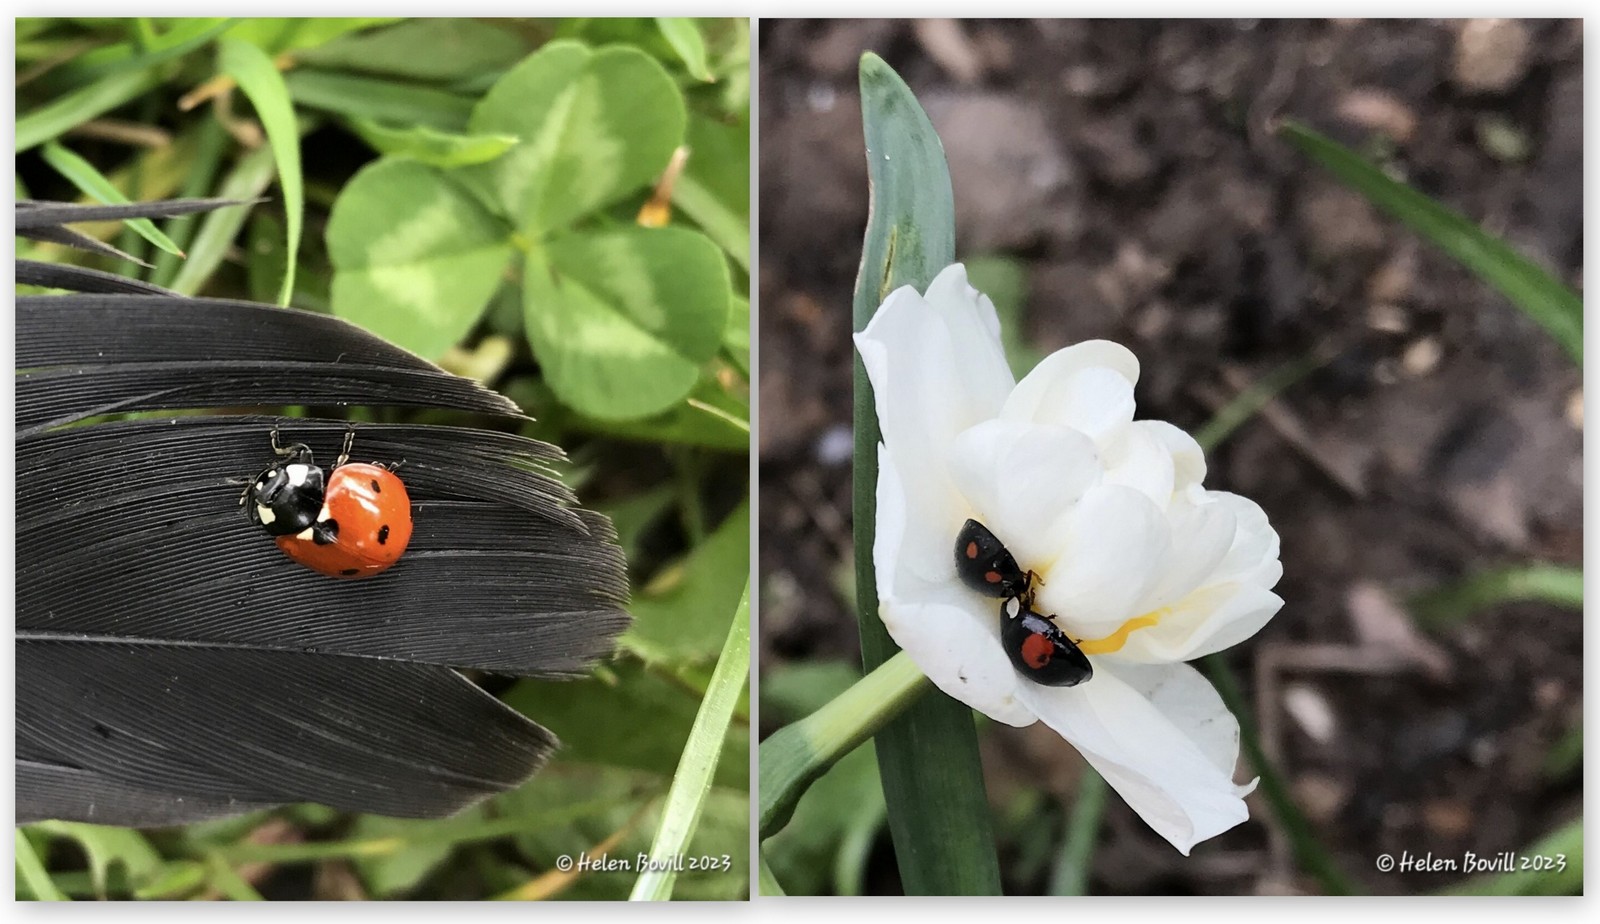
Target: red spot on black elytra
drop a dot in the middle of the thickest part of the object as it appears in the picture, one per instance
(992, 577)
(972, 550)
(1037, 650)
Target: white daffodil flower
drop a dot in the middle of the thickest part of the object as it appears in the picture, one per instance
(1132, 557)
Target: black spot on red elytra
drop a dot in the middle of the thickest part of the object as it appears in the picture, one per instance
(375, 488)
(383, 534)
(350, 571)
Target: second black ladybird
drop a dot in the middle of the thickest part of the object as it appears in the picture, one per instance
(984, 564)
(1038, 649)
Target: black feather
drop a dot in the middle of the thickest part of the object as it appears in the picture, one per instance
(82, 279)
(173, 665)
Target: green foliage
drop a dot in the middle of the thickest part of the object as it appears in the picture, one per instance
(468, 189)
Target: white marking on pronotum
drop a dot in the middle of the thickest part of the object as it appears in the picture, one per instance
(297, 474)
(324, 516)
(1013, 608)
(304, 536)
(265, 513)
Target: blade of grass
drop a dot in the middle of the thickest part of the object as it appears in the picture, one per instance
(93, 183)
(1250, 401)
(54, 119)
(1543, 298)
(1071, 875)
(1446, 606)
(1309, 852)
(227, 881)
(31, 872)
(247, 180)
(384, 100)
(258, 77)
(692, 781)
(209, 140)
(929, 755)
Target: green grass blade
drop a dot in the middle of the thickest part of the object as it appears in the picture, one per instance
(93, 183)
(1544, 299)
(1446, 606)
(684, 36)
(1564, 848)
(389, 101)
(1071, 875)
(31, 872)
(226, 880)
(929, 755)
(210, 141)
(247, 180)
(54, 119)
(261, 82)
(1309, 852)
(1250, 401)
(692, 781)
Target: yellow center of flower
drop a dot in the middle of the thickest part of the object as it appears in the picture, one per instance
(1117, 639)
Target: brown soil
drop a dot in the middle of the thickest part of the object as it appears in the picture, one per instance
(1129, 168)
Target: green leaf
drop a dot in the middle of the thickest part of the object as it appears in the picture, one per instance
(277, 35)
(709, 417)
(1554, 584)
(122, 852)
(681, 615)
(261, 82)
(1543, 298)
(596, 126)
(929, 755)
(684, 37)
(622, 321)
(415, 258)
(736, 340)
(184, 36)
(247, 180)
(702, 754)
(429, 50)
(54, 119)
(714, 190)
(32, 874)
(637, 719)
(94, 184)
(1071, 873)
(431, 146)
(379, 98)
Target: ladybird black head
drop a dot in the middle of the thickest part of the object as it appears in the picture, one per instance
(285, 499)
(1039, 650)
(985, 565)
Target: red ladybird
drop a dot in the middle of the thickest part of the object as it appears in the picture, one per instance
(352, 523)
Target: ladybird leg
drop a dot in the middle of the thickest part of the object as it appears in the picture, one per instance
(344, 451)
(293, 449)
(395, 466)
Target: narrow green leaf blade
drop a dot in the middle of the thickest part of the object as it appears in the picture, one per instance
(683, 35)
(1556, 584)
(692, 782)
(32, 874)
(93, 183)
(54, 119)
(247, 180)
(1546, 300)
(261, 82)
(929, 755)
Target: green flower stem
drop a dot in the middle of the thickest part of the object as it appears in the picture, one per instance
(1071, 875)
(31, 871)
(793, 757)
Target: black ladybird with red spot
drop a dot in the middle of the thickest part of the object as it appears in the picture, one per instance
(984, 564)
(1038, 649)
(352, 522)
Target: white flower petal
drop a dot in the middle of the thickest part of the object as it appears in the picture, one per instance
(960, 653)
(1016, 476)
(1206, 621)
(1161, 737)
(1087, 386)
(1189, 460)
(1201, 539)
(1140, 459)
(1109, 561)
